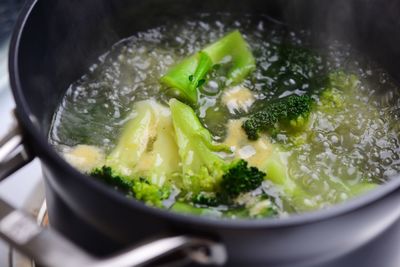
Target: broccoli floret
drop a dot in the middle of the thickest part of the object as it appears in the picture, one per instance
(339, 84)
(233, 45)
(160, 148)
(331, 98)
(145, 156)
(140, 188)
(237, 179)
(290, 112)
(277, 171)
(110, 177)
(201, 165)
(150, 193)
(240, 178)
(210, 199)
(185, 77)
(204, 170)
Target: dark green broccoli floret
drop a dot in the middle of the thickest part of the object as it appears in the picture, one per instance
(237, 179)
(140, 188)
(240, 179)
(212, 179)
(110, 177)
(290, 112)
(203, 169)
(207, 199)
(150, 193)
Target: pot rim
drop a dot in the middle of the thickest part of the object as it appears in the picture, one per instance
(48, 154)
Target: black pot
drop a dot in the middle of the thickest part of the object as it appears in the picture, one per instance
(56, 41)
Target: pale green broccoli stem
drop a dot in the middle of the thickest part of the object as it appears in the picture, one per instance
(204, 65)
(201, 166)
(234, 46)
(277, 173)
(185, 77)
(147, 146)
(132, 143)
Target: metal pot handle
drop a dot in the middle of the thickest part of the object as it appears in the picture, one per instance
(49, 248)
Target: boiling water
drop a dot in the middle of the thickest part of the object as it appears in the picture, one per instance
(356, 144)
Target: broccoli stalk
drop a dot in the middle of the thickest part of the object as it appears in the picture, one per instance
(235, 48)
(134, 139)
(160, 148)
(276, 168)
(200, 163)
(189, 74)
(144, 156)
(203, 170)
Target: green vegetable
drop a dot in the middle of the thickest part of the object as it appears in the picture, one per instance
(233, 47)
(276, 168)
(240, 178)
(110, 177)
(201, 166)
(203, 170)
(237, 179)
(259, 207)
(197, 79)
(290, 112)
(185, 77)
(339, 84)
(150, 193)
(146, 139)
(343, 81)
(140, 188)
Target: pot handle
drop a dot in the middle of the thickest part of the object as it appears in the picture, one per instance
(13, 153)
(49, 248)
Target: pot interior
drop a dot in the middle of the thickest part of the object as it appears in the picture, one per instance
(63, 38)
